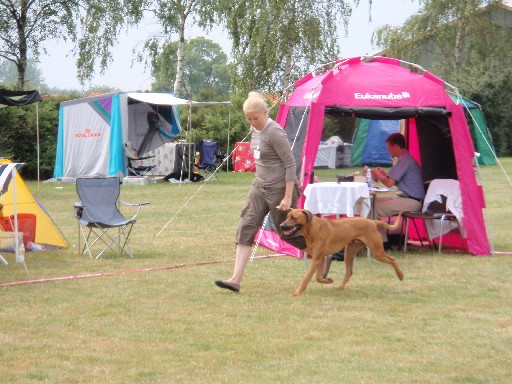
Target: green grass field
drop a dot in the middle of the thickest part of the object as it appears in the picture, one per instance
(164, 321)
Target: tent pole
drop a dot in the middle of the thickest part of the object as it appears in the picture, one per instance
(37, 130)
(15, 210)
(190, 158)
(229, 133)
(20, 252)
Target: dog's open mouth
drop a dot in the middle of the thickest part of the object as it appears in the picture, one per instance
(290, 230)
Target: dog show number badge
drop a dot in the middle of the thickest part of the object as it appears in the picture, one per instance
(257, 152)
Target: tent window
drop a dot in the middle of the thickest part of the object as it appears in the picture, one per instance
(297, 121)
(344, 127)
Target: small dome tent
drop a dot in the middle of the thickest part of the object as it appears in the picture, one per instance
(382, 88)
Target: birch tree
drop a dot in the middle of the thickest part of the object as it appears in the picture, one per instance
(445, 28)
(274, 40)
(205, 68)
(173, 16)
(467, 43)
(26, 24)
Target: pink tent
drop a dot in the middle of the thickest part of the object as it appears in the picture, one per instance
(385, 88)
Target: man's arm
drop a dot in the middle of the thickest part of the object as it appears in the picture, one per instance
(379, 175)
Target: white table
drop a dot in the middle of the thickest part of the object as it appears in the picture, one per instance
(345, 198)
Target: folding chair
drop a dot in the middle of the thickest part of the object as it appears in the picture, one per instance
(140, 170)
(208, 158)
(136, 166)
(441, 212)
(97, 213)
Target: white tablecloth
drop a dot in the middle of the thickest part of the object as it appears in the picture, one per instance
(348, 198)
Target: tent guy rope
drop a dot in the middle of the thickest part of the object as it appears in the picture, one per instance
(197, 190)
(126, 272)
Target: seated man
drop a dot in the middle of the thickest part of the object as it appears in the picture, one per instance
(406, 175)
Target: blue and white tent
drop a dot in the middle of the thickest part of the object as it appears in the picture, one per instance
(93, 131)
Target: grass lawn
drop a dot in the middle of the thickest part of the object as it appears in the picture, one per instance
(449, 321)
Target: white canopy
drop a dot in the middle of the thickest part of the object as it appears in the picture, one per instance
(168, 99)
(158, 98)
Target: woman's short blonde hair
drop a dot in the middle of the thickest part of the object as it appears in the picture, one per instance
(255, 103)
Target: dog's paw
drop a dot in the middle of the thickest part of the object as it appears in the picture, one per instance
(326, 280)
(297, 293)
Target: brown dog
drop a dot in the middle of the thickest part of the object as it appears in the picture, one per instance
(328, 236)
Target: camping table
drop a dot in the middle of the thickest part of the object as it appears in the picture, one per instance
(345, 198)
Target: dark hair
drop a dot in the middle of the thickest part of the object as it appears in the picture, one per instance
(396, 139)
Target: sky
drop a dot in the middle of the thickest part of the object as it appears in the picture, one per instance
(58, 66)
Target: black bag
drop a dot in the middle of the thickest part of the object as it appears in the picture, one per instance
(437, 207)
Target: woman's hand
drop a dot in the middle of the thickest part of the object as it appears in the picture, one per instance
(285, 204)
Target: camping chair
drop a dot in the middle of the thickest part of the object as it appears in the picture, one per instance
(136, 166)
(208, 158)
(98, 212)
(441, 212)
(220, 157)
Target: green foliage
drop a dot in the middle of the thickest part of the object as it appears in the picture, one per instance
(205, 78)
(18, 135)
(219, 122)
(205, 68)
(276, 40)
(163, 63)
(493, 89)
(173, 16)
(467, 43)
(101, 22)
(24, 25)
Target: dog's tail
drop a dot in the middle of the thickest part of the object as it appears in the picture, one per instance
(393, 227)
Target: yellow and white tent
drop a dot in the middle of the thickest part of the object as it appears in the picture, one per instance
(46, 232)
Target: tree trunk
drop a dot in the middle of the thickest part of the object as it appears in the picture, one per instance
(287, 71)
(21, 67)
(21, 64)
(458, 44)
(181, 48)
(178, 84)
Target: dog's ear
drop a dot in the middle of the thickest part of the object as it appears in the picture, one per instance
(308, 214)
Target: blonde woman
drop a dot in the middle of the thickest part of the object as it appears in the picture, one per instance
(274, 188)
